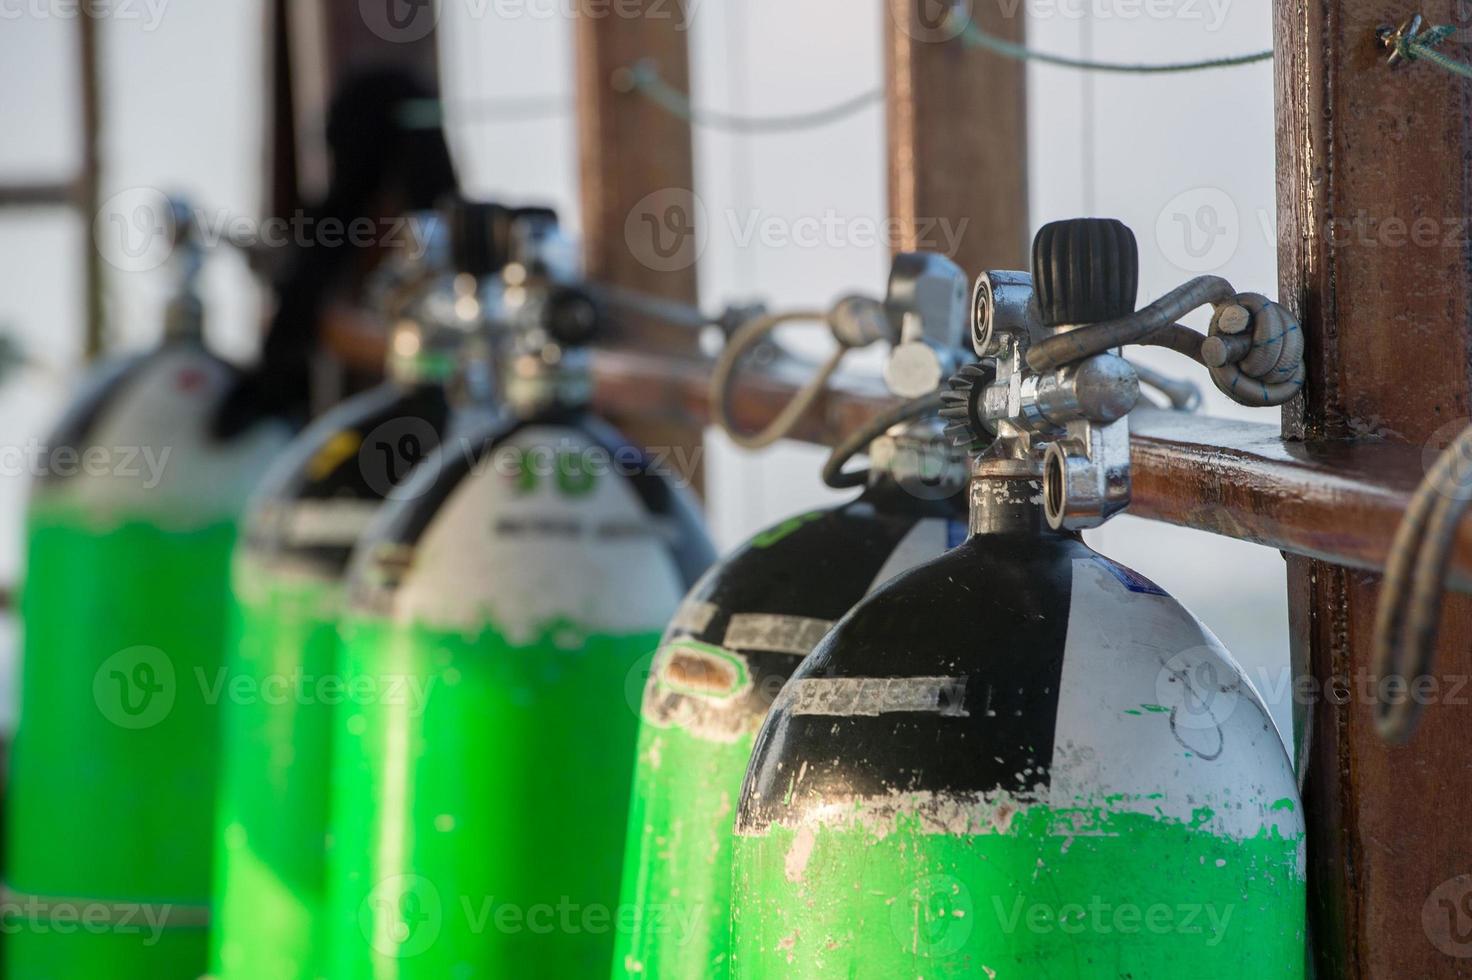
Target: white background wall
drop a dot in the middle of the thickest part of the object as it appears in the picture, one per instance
(1185, 159)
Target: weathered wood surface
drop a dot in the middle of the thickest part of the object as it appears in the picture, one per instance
(638, 184)
(1373, 199)
(957, 131)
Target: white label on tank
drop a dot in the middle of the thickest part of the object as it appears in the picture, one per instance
(524, 555)
(849, 697)
(1154, 715)
(694, 616)
(308, 523)
(775, 634)
(152, 455)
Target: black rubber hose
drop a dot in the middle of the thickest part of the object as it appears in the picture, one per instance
(858, 440)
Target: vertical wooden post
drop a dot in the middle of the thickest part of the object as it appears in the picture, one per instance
(957, 119)
(89, 182)
(641, 217)
(1373, 199)
(315, 45)
(281, 192)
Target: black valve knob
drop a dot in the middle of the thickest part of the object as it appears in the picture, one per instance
(1085, 270)
(572, 317)
(480, 236)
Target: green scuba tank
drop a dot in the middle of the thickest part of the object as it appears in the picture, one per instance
(748, 623)
(1022, 760)
(312, 507)
(504, 606)
(124, 609)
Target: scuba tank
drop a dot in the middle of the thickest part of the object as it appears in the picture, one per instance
(125, 609)
(1022, 759)
(752, 618)
(502, 603)
(312, 507)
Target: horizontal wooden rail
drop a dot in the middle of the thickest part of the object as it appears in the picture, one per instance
(1336, 501)
(40, 195)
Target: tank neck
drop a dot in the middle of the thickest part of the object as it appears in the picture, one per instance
(423, 369)
(184, 320)
(918, 457)
(1006, 505)
(548, 381)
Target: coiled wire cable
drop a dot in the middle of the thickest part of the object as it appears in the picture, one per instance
(1408, 617)
(854, 322)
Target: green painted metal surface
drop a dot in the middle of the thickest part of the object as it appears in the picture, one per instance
(271, 872)
(1040, 893)
(480, 799)
(679, 896)
(111, 806)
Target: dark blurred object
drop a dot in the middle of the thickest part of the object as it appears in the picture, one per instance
(381, 170)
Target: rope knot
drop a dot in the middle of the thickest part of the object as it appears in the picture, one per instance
(1409, 42)
(1255, 351)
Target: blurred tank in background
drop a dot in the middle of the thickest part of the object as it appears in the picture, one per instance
(125, 604)
(311, 509)
(504, 608)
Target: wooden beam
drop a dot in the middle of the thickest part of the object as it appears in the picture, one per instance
(324, 42)
(282, 190)
(39, 195)
(87, 194)
(641, 219)
(1336, 500)
(1373, 195)
(957, 128)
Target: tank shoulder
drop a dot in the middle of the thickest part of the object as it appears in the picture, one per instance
(139, 444)
(322, 493)
(820, 562)
(664, 480)
(1054, 676)
(522, 524)
(96, 393)
(361, 448)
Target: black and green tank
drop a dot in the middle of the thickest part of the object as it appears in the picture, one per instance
(998, 766)
(271, 877)
(313, 507)
(744, 629)
(738, 636)
(1021, 759)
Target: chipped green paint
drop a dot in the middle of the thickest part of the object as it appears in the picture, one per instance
(270, 877)
(1086, 893)
(698, 723)
(114, 760)
(787, 528)
(704, 671)
(690, 831)
(478, 820)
